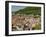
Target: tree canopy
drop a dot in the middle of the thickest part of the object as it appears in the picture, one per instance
(29, 10)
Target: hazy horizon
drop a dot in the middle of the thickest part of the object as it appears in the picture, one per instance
(16, 8)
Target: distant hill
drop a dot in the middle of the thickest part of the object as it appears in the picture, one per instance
(28, 11)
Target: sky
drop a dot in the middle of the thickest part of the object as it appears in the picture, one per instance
(16, 8)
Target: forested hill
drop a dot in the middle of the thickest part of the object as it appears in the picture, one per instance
(29, 10)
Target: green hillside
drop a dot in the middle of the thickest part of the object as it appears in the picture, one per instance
(29, 10)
